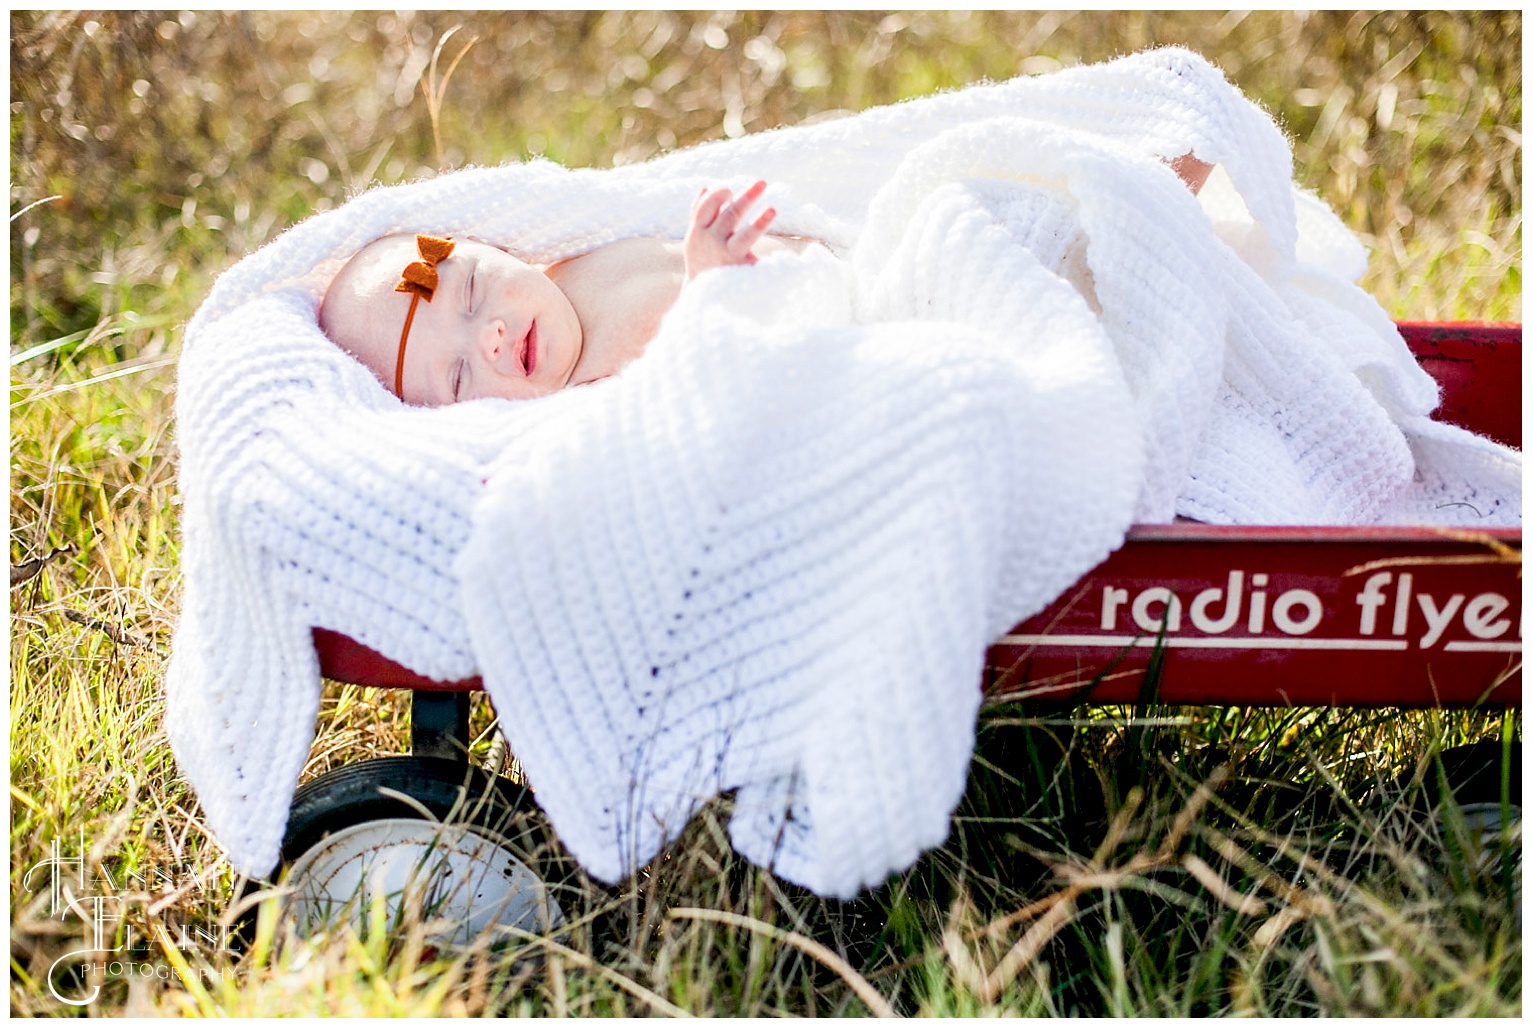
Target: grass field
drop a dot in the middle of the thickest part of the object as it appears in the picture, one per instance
(1191, 861)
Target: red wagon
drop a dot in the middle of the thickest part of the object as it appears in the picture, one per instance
(1406, 617)
(1249, 616)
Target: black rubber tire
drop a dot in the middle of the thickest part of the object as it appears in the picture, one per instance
(450, 792)
(453, 792)
(1473, 774)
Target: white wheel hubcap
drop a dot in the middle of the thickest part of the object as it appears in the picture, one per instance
(462, 880)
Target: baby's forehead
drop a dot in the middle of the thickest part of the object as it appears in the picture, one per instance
(361, 302)
(381, 262)
(365, 288)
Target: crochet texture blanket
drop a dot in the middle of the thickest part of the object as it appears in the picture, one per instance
(769, 556)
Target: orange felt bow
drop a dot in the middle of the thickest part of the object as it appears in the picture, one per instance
(420, 276)
(419, 280)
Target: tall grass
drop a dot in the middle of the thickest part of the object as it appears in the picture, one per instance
(1199, 861)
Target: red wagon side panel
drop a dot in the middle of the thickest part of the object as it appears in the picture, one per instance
(1479, 369)
(343, 659)
(1431, 647)
(1273, 616)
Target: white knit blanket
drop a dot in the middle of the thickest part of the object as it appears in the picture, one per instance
(769, 556)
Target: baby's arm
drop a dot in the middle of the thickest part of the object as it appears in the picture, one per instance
(716, 238)
(1192, 171)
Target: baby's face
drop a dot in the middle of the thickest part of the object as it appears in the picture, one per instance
(495, 326)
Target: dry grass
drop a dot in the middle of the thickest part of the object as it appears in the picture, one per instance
(1089, 871)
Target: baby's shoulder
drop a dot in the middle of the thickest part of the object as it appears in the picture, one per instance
(625, 271)
(637, 255)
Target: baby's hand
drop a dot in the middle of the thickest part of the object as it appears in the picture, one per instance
(715, 238)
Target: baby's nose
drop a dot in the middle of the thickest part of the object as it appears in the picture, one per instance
(497, 348)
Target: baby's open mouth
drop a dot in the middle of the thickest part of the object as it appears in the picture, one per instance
(531, 349)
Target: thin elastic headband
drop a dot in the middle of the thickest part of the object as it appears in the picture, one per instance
(419, 280)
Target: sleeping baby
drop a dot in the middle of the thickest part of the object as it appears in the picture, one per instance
(493, 325)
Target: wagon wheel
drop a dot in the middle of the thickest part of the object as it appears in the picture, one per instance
(468, 850)
(1473, 774)
(1472, 823)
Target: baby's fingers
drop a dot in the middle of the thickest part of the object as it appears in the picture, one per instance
(735, 212)
(705, 209)
(741, 242)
